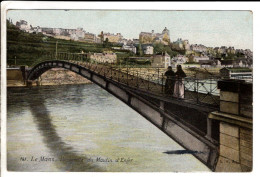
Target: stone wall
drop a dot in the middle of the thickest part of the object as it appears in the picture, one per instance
(235, 126)
(55, 76)
(14, 74)
(235, 148)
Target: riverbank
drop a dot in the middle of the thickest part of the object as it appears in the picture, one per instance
(60, 76)
(55, 76)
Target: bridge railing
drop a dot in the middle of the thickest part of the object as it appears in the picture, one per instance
(150, 80)
(198, 90)
(192, 89)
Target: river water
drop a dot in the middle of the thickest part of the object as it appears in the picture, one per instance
(84, 128)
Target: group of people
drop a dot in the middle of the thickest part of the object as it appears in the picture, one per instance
(174, 83)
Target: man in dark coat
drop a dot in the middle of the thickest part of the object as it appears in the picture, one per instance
(169, 84)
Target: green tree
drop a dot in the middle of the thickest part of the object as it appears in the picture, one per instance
(140, 49)
(105, 43)
(158, 48)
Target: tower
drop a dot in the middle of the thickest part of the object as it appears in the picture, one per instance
(166, 35)
(166, 31)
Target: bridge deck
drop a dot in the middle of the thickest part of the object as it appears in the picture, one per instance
(151, 83)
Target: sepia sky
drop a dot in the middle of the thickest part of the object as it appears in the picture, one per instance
(211, 28)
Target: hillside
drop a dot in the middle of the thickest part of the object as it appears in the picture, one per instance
(24, 48)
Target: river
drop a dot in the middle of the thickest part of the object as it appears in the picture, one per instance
(84, 128)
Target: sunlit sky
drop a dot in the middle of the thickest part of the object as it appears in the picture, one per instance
(210, 28)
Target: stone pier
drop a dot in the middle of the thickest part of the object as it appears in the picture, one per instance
(235, 118)
(30, 83)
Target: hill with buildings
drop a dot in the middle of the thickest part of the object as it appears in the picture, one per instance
(24, 48)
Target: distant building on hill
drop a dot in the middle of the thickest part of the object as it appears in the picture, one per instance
(237, 63)
(105, 57)
(181, 44)
(151, 37)
(198, 48)
(236, 73)
(131, 48)
(179, 60)
(115, 38)
(162, 60)
(24, 26)
(148, 49)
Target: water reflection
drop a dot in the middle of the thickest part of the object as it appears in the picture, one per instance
(76, 123)
(66, 155)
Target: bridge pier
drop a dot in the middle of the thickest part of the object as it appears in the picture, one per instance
(30, 83)
(235, 126)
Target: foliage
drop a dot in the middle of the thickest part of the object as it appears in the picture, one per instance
(26, 48)
(140, 50)
(159, 48)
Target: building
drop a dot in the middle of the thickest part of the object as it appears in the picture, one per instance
(198, 48)
(231, 50)
(148, 49)
(199, 58)
(180, 44)
(115, 38)
(57, 31)
(37, 29)
(80, 33)
(90, 37)
(209, 63)
(131, 48)
(179, 60)
(125, 41)
(161, 60)
(151, 37)
(74, 37)
(221, 50)
(237, 63)
(186, 44)
(24, 26)
(135, 41)
(62, 37)
(105, 57)
(236, 73)
(46, 30)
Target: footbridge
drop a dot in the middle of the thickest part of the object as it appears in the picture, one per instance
(184, 118)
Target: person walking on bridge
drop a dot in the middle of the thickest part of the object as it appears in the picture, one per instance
(169, 84)
(179, 85)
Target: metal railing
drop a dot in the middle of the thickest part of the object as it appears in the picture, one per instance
(150, 80)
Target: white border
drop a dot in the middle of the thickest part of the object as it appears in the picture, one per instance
(254, 6)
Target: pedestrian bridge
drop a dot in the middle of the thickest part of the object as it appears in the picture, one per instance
(182, 119)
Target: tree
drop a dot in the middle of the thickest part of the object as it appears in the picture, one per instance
(158, 48)
(141, 53)
(107, 43)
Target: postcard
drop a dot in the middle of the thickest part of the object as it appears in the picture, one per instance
(128, 90)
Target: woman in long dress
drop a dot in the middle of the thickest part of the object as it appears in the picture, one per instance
(179, 85)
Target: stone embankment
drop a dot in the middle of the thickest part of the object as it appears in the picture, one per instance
(56, 76)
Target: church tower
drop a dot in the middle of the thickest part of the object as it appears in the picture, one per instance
(166, 35)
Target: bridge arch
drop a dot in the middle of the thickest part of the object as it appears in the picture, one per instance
(204, 149)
